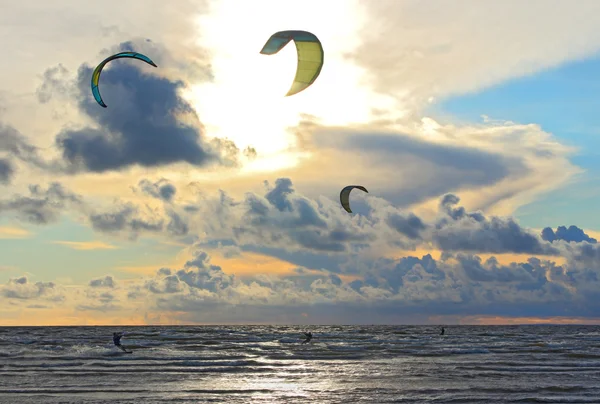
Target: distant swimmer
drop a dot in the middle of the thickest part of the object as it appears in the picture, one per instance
(117, 340)
(308, 337)
(443, 331)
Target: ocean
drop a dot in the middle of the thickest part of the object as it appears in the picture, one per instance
(267, 364)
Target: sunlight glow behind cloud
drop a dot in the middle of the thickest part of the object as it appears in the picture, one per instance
(248, 93)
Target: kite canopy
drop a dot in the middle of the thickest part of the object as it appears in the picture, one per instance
(310, 56)
(98, 71)
(345, 196)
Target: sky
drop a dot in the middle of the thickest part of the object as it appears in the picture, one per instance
(203, 195)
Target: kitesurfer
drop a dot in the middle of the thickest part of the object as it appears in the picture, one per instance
(308, 337)
(117, 340)
(443, 331)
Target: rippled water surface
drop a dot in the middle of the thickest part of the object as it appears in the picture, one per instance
(267, 364)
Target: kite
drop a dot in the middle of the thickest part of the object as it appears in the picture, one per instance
(310, 56)
(345, 196)
(98, 70)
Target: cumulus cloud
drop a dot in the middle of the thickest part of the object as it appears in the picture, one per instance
(22, 288)
(315, 232)
(459, 230)
(460, 284)
(42, 206)
(383, 290)
(288, 224)
(573, 233)
(106, 282)
(127, 217)
(147, 122)
(285, 219)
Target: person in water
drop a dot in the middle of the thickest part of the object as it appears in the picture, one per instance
(308, 337)
(443, 331)
(117, 340)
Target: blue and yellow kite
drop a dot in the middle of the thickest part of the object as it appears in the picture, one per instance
(98, 70)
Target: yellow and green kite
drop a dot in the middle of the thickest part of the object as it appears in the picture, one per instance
(310, 56)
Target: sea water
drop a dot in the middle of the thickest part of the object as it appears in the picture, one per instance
(268, 364)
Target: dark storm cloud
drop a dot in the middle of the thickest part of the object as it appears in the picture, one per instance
(573, 233)
(140, 126)
(147, 122)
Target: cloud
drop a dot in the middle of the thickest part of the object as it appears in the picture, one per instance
(21, 288)
(86, 245)
(419, 49)
(414, 170)
(284, 219)
(317, 233)
(106, 282)
(127, 217)
(17, 145)
(382, 290)
(463, 285)
(6, 171)
(462, 231)
(161, 189)
(100, 295)
(420, 167)
(55, 81)
(493, 165)
(105, 307)
(573, 233)
(42, 206)
(147, 122)
(13, 233)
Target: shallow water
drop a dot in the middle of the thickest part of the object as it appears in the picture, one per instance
(266, 364)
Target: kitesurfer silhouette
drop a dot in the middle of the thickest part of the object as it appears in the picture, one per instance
(117, 340)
